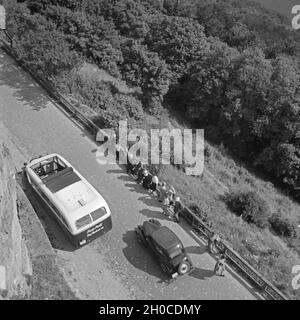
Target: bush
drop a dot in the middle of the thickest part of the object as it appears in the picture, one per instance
(201, 214)
(284, 226)
(250, 206)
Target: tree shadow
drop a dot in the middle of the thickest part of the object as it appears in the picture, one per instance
(25, 88)
(140, 257)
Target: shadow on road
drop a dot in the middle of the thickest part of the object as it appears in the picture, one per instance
(25, 90)
(196, 249)
(150, 201)
(201, 274)
(153, 214)
(139, 257)
(135, 187)
(125, 178)
(116, 172)
(56, 235)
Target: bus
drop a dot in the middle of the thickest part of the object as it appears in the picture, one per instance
(77, 206)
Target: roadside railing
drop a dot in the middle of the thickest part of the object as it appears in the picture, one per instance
(198, 226)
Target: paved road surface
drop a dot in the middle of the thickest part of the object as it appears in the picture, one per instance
(114, 266)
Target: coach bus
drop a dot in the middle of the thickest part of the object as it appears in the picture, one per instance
(77, 206)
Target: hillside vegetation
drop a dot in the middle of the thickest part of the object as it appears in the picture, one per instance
(230, 67)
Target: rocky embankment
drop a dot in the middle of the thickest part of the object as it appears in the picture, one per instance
(15, 265)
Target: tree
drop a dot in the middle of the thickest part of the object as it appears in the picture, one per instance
(145, 69)
(95, 38)
(181, 43)
(46, 49)
(283, 161)
(249, 206)
(205, 90)
(129, 17)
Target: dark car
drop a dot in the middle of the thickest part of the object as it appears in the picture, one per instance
(166, 246)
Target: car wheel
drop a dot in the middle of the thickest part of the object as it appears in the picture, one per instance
(184, 268)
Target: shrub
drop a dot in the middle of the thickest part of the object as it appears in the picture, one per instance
(284, 226)
(132, 105)
(201, 214)
(250, 206)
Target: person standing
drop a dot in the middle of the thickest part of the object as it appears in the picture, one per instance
(220, 266)
(154, 184)
(130, 163)
(142, 173)
(177, 208)
(147, 180)
(162, 192)
(212, 242)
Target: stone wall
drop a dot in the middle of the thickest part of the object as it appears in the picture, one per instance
(15, 265)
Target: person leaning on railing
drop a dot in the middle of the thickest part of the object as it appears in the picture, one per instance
(178, 207)
(141, 172)
(147, 180)
(130, 163)
(220, 266)
(162, 191)
(212, 242)
(154, 184)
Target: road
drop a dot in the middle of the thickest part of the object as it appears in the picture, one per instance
(114, 266)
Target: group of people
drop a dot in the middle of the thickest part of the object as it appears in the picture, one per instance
(167, 196)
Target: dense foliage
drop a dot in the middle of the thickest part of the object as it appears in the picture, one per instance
(250, 207)
(229, 66)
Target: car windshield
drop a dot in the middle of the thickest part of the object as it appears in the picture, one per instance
(174, 253)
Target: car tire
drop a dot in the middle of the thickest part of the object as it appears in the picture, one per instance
(184, 267)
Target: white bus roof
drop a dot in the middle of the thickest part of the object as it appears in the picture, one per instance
(75, 196)
(68, 189)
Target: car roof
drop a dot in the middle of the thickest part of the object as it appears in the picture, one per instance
(165, 238)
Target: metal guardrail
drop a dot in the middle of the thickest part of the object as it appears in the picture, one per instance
(261, 283)
(199, 227)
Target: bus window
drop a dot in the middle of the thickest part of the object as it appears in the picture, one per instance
(97, 214)
(84, 221)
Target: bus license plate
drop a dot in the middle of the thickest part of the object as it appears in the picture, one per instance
(95, 229)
